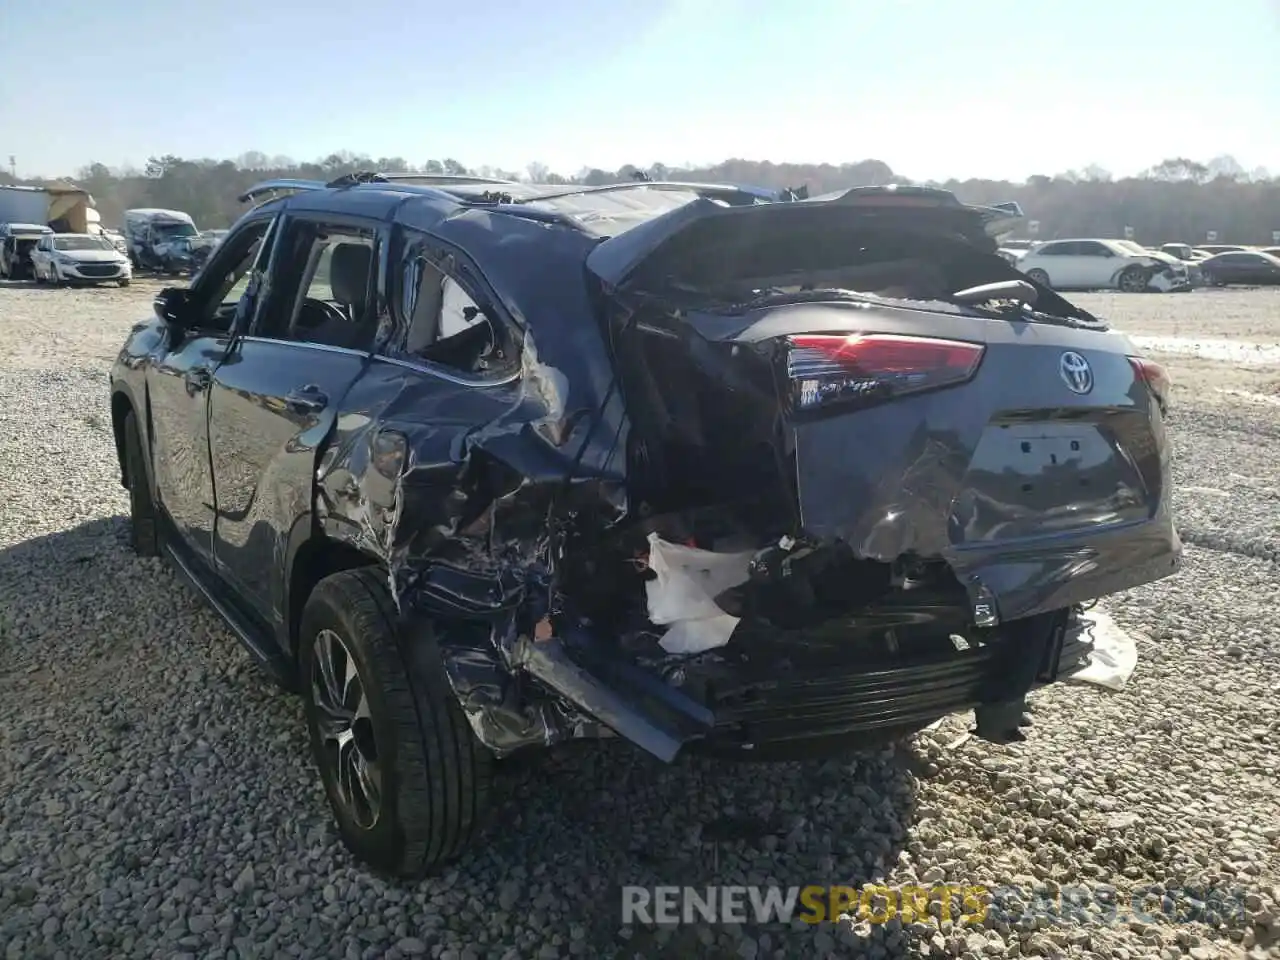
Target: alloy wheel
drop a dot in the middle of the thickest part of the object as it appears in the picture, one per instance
(345, 728)
(1132, 281)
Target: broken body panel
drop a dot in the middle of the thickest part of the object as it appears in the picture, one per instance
(899, 551)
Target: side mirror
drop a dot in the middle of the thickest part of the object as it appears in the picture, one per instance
(172, 306)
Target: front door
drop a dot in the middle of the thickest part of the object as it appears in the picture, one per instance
(178, 384)
(275, 400)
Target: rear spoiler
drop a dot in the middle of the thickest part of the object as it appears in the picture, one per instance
(997, 218)
(269, 190)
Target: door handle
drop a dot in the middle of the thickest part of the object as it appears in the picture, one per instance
(197, 379)
(308, 399)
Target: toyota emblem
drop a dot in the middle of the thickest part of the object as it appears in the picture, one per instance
(1075, 372)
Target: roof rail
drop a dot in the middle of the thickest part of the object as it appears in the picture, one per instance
(443, 178)
(261, 193)
(710, 189)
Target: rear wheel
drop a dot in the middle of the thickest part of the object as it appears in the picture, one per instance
(1039, 276)
(143, 535)
(1133, 280)
(409, 784)
(124, 281)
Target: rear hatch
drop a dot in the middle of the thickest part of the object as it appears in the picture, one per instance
(1023, 445)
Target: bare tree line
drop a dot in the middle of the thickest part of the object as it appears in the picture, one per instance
(1176, 200)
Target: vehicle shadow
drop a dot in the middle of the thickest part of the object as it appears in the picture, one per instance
(8, 283)
(30, 286)
(128, 640)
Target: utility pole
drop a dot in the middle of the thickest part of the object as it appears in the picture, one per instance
(13, 166)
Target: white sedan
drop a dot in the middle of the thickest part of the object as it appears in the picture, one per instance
(79, 258)
(1102, 264)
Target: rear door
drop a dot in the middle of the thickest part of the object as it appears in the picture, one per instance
(1255, 268)
(276, 398)
(1058, 261)
(1096, 262)
(1232, 266)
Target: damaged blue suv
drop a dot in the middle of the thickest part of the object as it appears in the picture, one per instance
(478, 467)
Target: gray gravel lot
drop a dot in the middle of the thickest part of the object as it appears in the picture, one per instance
(157, 800)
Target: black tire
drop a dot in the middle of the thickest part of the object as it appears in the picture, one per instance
(35, 275)
(437, 779)
(123, 283)
(1132, 280)
(144, 536)
(1039, 276)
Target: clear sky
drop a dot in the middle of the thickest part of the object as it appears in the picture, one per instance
(935, 88)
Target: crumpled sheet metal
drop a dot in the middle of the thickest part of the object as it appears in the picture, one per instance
(457, 490)
(486, 678)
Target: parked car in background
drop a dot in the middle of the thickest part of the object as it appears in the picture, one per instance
(381, 431)
(1241, 266)
(150, 233)
(1191, 266)
(17, 241)
(1096, 264)
(1185, 252)
(117, 240)
(79, 258)
(187, 254)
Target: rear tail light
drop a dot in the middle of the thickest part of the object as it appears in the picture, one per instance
(1155, 377)
(823, 368)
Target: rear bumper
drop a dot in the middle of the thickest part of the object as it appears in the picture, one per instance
(1058, 571)
(777, 710)
(771, 715)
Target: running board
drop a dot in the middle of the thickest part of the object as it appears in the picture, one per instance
(273, 663)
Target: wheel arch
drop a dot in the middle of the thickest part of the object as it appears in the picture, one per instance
(315, 556)
(121, 407)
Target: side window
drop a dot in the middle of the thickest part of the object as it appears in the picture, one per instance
(447, 326)
(225, 280)
(458, 312)
(1054, 250)
(1091, 248)
(323, 286)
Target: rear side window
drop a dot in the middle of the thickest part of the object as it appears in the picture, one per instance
(449, 322)
(1054, 250)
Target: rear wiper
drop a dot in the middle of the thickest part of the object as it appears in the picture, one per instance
(731, 302)
(1018, 297)
(1018, 291)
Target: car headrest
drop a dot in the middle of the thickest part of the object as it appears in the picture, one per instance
(349, 274)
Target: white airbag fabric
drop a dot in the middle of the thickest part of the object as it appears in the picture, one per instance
(682, 594)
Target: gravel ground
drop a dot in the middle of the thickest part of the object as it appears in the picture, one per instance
(156, 798)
